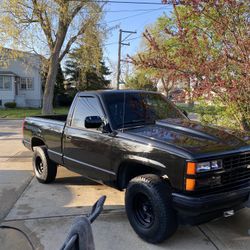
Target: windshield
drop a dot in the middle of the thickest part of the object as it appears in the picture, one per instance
(140, 108)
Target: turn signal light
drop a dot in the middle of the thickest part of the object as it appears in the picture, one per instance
(191, 168)
(190, 184)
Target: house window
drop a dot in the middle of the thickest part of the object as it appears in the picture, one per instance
(23, 83)
(26, 83)
(29, 83)
(5, 82)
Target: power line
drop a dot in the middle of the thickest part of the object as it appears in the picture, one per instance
(146, 12)
(130, 2)
(131, 39)
(135, 10)
(140, 14)
(137, 37)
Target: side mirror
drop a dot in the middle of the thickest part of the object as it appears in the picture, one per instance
(93, 122)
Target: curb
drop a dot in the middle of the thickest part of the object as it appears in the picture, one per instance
(11, 119)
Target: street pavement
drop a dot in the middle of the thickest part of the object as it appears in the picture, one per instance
(45, 212)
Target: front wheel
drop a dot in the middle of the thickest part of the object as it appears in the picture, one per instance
(149, 209)
(45, 170)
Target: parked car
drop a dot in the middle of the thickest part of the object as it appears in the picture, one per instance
(174, 170)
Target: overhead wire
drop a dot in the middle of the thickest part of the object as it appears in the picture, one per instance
(132, 10)
(131, 2)
(120, 19)
(127, 17)
(130, 39)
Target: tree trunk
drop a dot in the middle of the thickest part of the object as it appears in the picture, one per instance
(53, 69)
(49, 85)
(166, 89)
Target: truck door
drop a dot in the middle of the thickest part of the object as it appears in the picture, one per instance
(87, 151)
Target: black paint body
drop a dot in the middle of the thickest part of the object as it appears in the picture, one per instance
(115, 156)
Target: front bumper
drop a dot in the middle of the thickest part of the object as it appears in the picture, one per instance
(200, 209)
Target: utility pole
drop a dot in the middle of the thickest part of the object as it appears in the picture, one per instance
(119, 59)
(121, 42)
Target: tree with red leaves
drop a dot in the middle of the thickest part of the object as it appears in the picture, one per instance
(205, 42)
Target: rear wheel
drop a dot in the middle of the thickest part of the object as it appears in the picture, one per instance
(45, 170)
(149, 208)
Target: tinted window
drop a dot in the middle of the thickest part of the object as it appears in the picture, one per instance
(140, 108)
(86, 106)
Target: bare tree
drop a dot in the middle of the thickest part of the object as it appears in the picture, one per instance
(49, 28)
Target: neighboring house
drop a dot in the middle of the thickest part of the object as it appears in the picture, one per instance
(20, 80)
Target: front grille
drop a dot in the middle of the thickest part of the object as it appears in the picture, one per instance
(235, 161)
(237, 168)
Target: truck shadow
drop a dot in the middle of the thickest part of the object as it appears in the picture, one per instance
(74, 180)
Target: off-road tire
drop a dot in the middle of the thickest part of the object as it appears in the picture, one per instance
(159, 221)
(45, 170)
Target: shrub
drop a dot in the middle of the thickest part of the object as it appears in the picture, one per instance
(218, 114)
(10, 105)
(63, 100)
(214, 113)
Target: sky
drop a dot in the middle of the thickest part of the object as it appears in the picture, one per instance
(132, 17)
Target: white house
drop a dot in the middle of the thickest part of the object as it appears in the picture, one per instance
(20, 81)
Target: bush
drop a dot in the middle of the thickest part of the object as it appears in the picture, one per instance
(10, 105)
(214, 113)
(63, 100)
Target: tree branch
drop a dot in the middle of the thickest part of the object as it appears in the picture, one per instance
(70, 42)
(45, 23)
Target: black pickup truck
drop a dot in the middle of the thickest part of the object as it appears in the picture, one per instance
(174, 170)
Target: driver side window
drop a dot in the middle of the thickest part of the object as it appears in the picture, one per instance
(86, 106)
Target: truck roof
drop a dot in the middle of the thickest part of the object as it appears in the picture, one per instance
(115, 91)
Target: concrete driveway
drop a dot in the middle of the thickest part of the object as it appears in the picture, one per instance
(45, 212)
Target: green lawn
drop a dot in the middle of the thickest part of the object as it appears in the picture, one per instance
(23, 112)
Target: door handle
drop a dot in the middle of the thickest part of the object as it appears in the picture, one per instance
(68, 137)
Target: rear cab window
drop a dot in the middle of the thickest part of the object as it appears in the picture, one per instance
(86, 106)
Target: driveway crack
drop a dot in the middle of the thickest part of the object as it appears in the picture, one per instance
(207, 236)
(17, 198)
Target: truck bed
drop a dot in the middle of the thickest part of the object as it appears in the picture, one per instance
(46, 128)
(61, 118)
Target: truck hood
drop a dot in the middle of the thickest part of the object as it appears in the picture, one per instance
(192, 136)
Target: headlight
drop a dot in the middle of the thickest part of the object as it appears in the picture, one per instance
(208, 166)
(192, 182)
(203, 167)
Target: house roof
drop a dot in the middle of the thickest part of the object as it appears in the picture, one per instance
(33, 60)
(21, 52)
(4, 73)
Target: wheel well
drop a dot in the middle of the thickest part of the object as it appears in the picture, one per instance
(36, 142)
(129, 170)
